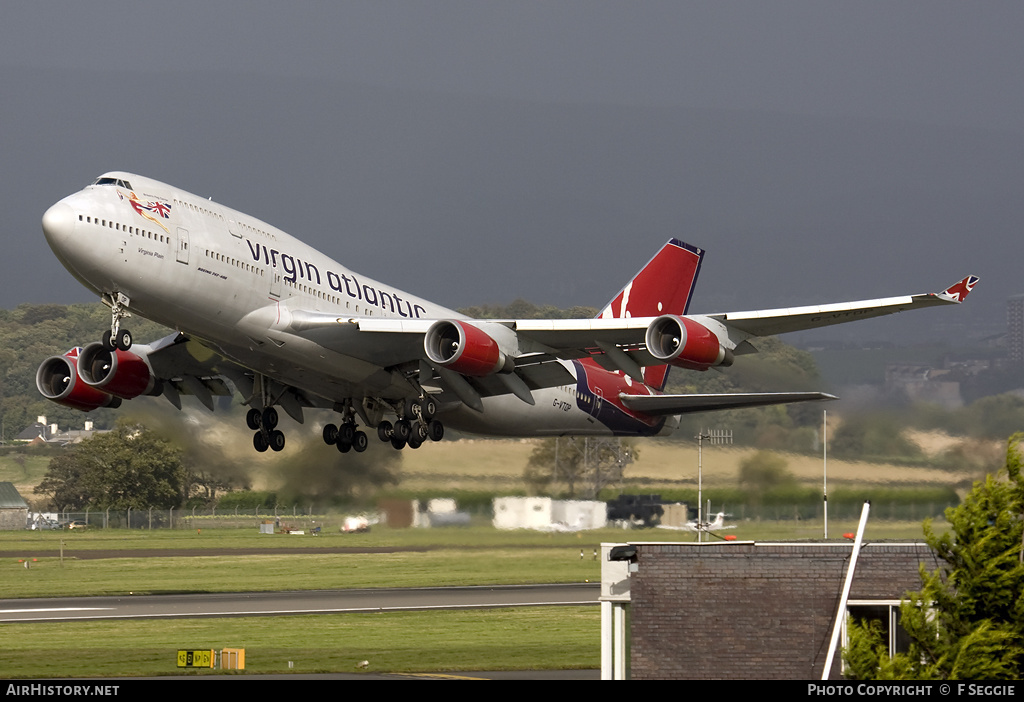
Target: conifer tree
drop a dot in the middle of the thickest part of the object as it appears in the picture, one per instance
(967, 621)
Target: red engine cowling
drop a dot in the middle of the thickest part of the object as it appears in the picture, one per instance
(120, 373)
(463, 348)
(680, 341)
(57, 379)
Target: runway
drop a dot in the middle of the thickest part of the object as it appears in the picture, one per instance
(260, 604)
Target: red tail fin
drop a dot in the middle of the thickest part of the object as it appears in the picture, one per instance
(663, 286)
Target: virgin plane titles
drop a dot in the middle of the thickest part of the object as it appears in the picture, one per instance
(296, 268)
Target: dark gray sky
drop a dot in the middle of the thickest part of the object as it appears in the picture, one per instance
(941, 62)
(477, 152)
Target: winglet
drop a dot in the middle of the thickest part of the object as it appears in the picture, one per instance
(958, 291)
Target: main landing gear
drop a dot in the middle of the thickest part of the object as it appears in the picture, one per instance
(414, 426)
(264, 423)
(346, 437)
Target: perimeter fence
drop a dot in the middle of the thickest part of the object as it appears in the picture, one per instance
(281, 519)
(294, 518)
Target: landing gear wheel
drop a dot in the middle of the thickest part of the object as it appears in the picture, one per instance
(360, 442)
(435, 430)
(253, 418)
(428, 408)
(123, 340)
(419, 433)
(277, 440)
(403, 430)
(385, 430)
(108, 341)
(259, 442)
(330, 434)
(346, 432)
(344, 446)
(414, 444)
(397, 443)
(269, 418)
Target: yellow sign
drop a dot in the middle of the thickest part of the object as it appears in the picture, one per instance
(195, 659)
(232, 658)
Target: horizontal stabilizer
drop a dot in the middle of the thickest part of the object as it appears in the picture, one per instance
(683, 404)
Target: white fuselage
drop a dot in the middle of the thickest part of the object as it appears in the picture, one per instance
(218, 275)
(232, 281)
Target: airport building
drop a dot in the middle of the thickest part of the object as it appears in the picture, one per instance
(13, 508)
(745, 610)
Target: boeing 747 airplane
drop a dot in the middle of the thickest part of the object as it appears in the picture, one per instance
(261, 314)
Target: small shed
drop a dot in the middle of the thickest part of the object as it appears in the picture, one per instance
(546, 514)
(13, 509)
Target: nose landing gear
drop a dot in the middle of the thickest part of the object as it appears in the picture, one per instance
(117, 338)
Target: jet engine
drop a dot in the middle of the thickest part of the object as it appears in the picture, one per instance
(57, 379)
(466, 349)
(120, 373)
(680, 341)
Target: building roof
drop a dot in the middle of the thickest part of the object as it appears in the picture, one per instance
(33, 431)
(10, 498)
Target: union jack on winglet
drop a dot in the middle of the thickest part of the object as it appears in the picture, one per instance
(960, 290)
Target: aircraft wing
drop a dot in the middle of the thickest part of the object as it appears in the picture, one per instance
(781, 321)
(570, 337)
(657, 405)
(615, 343)
(186, 367)
(89, 377)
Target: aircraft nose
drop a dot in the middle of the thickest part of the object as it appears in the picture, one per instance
(58, 223)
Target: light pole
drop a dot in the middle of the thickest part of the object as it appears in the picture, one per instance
(716, 437)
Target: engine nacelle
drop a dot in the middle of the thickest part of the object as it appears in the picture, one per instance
(465, 349)
(680, 341)
(120, 373)
(57, 379)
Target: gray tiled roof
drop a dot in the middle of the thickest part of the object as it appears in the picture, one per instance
(9, 497)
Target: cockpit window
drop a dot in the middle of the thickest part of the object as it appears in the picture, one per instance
(113, 181)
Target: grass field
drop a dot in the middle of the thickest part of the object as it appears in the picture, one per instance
(531, 638)
(455, 556)
(527, 639)
(497, 465)
(223, 560)
(489, 464)
(468, 563)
